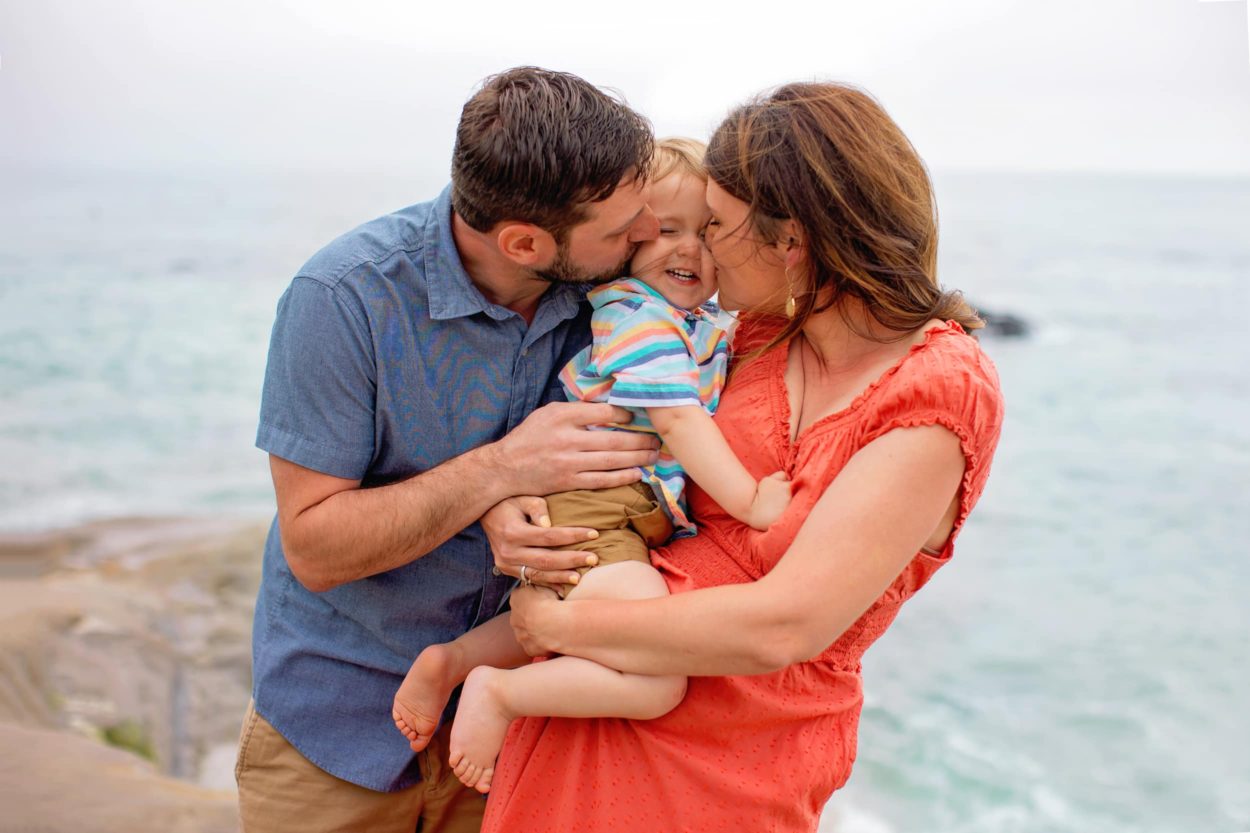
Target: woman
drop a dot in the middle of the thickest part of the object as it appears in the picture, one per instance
(856, 377)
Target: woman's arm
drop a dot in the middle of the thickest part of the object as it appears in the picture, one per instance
(860, 535)
(698, 444)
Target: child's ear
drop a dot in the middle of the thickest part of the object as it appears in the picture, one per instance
(525, 244)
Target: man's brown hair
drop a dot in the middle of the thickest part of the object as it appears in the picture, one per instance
(536, 146)
(829, 157)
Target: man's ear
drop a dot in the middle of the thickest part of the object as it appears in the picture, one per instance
(525, 244)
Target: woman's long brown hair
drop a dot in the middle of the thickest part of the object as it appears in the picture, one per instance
(829, 157)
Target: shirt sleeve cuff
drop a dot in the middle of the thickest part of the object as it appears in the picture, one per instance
(317, 456)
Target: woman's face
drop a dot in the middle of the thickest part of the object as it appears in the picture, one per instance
(751, 272)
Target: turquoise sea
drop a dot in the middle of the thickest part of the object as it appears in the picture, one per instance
(1083, 664)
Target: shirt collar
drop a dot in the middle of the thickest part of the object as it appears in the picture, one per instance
(451, 290)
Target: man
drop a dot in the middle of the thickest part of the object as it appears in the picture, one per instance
(408, 368)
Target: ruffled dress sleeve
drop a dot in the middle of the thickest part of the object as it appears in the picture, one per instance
(950, 382)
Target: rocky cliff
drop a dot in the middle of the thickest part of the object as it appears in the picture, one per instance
(124, 674)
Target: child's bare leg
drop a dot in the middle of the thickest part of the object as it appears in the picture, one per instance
(562, 687)
(440, 668)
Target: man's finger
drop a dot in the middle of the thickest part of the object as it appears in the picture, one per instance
(552, 578)
(605, 479)
(616, 460)
(558, 559)
(618, 441)
(599, 413)
(560, 536)
(542, 558)
(535, 508)
(527, 536)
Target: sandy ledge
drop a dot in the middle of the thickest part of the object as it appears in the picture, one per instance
(136, 630)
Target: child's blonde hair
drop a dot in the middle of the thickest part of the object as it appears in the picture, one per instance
(678, 154)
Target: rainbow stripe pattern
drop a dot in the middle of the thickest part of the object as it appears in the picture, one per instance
(647, 353)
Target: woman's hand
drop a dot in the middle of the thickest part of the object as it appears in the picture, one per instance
(535, 611)
(521, 535)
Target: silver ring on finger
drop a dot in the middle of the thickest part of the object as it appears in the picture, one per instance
(525, 581)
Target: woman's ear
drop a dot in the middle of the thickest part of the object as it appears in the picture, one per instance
(790, 241)
(525, 244)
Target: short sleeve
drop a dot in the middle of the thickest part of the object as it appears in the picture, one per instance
(647, 355)
(951, 383)
(317, 406)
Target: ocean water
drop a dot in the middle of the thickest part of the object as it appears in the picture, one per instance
(1082, 665)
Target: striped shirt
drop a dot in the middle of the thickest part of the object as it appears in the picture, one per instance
(647, 353)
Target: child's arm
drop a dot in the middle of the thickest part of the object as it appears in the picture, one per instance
(699, 446)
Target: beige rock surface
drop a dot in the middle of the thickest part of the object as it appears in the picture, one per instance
(136, 632)
(53, 781)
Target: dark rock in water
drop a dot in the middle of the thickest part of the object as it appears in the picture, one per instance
(1005, 324)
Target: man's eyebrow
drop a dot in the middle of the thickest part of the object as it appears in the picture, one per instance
(629, 222)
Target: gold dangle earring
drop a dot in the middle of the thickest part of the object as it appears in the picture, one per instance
(794, 256)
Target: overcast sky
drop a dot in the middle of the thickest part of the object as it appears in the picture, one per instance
(1115, 85)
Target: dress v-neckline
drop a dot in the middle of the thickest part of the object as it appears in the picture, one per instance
(780, 359)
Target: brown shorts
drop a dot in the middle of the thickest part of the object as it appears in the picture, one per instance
(280, 791)
(629, 519)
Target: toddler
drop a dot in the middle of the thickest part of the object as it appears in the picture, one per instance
(657, 351)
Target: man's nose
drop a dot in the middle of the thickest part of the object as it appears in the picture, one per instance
(646, 227)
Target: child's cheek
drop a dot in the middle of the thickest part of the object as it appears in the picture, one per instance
(708, 269)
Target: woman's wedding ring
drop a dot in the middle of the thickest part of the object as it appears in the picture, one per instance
(525, 581)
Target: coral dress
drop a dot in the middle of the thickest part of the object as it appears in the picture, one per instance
(765, 752)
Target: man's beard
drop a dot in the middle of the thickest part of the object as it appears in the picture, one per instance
(564, 270)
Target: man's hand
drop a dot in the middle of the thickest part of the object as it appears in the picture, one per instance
(553, 450)
(520, 535)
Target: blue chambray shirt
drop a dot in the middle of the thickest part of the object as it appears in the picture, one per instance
(385, 361)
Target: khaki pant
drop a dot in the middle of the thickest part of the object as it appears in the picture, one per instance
(281, 791)
(629, 518)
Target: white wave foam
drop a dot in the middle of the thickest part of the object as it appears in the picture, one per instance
(847, 817)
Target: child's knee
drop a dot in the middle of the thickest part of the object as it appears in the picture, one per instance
(666, 694)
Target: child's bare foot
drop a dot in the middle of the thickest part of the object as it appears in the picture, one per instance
(424, 693)
(481, 723)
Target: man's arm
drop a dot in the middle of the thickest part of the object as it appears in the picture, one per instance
(334, 532)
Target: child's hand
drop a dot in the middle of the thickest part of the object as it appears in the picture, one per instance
(772, 496)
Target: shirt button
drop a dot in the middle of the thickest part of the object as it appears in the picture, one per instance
(525, 352)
